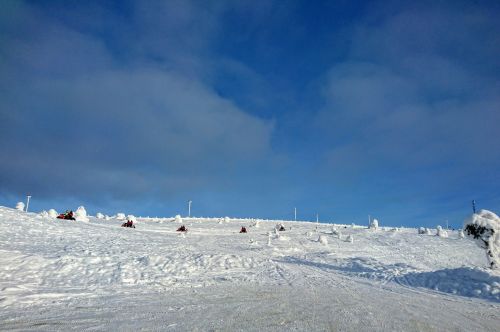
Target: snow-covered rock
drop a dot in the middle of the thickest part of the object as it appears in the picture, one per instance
(99, 215)
(484, 229)
(81, 214)
(441, 232)
(374, 224)
(178, 219)
(53, 213)
(20, 206)
(120, 216)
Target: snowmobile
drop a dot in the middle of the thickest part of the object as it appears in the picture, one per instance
(129, 223)
(68, 215)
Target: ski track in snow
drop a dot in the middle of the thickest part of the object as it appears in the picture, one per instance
(214, 278)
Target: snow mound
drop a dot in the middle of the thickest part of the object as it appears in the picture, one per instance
(441, 232)
(374, 224)
(99, 215)
(120, 216)
(53, 213)
(81, 214)
(178, 219)
(20, 206)
(323, 240)
(462, 281)
(484, 229)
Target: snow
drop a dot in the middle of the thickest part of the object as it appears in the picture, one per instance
(20, 206)
(53, 213)
(484, 229)
(60, 275)
(441, 232)
(374, 224)
(99, 215)
(81, 214)
(178, 219)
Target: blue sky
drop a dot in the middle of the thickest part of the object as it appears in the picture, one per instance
(252, 108)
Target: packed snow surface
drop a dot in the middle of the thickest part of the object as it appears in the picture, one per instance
(63, 274)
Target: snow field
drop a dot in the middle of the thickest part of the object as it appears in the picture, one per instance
(46, 260)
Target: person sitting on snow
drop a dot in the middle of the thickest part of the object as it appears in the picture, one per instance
(243, 230)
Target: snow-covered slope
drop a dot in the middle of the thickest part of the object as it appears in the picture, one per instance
(59, 274)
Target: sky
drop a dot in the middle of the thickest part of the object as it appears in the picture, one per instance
(342, 109)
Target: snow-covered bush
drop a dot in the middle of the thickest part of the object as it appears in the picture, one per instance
(349, 239)
(323, 240)
(441, 232)
(81, 214)
(374, 224)
(99, 215)
(178, 219)
(120, 216)
(53, 213)
(20, 206)
(44, 214)
(484, 229)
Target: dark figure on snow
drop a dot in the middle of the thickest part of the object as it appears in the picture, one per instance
(182, 229)
(243, 230)
(68, 215)
(129, 223)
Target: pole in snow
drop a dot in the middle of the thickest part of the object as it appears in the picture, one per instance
(447, 224)
(474, 206)
(189, 208)
(369, 221)
(295, 213)
(317, 218)
(28, 202)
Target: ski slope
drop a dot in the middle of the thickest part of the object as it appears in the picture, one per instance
(62, 275)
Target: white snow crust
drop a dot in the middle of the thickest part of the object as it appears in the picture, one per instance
(64, 275)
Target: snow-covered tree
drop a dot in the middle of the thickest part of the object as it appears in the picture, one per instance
(484, 229)
(81, 214)
(178, 219)
(120, 216)
(99, 215)
(20, 206)
(441, 232)
(374, 224)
